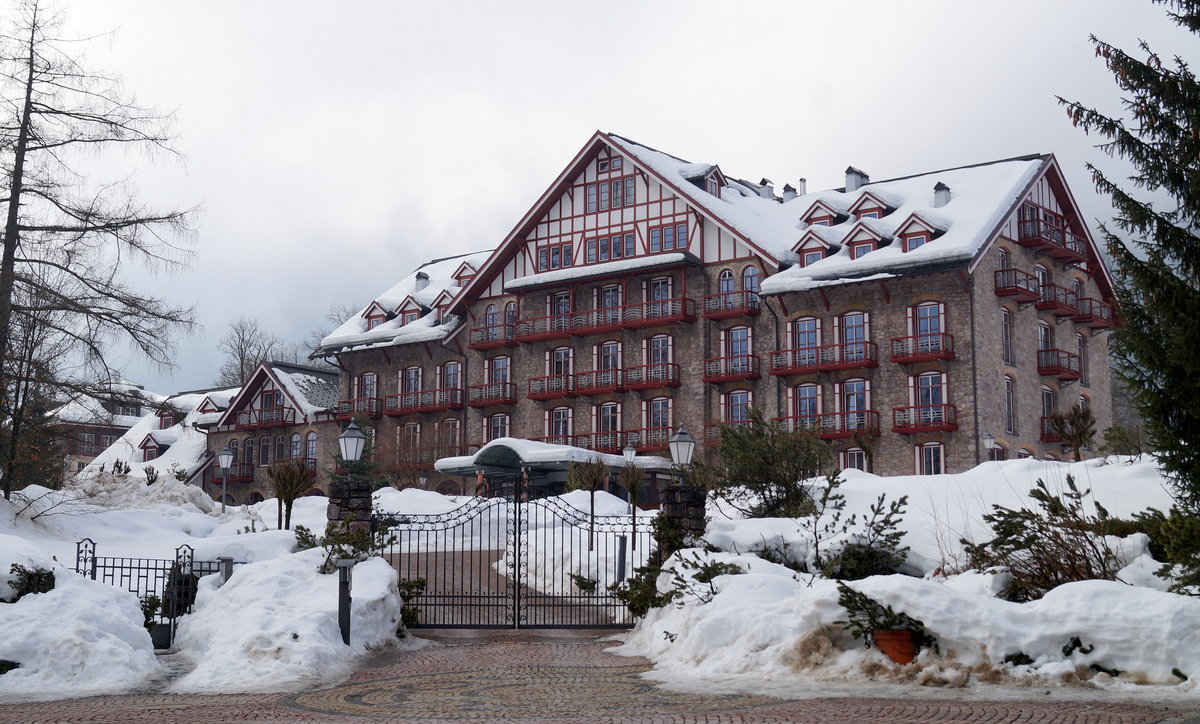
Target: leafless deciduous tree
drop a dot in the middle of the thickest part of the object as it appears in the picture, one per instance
(69, 233)
(245, 344)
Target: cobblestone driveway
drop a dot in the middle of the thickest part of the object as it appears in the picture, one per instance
(552, 677)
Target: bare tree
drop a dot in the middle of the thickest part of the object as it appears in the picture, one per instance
(1076, 427)
(68, 233)
(245, 345)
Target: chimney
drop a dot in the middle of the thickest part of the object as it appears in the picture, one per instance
(422, 281)
(766, 189)
(941, 195)
(789, 193)
(802, 187)
(855, 179)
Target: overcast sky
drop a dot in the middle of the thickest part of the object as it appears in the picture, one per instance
(335, 146)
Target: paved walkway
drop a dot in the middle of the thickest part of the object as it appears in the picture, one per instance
(548, 677)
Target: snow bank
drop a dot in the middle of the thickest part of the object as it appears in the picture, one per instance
(80, 639)
(273, 625)
(131, 492)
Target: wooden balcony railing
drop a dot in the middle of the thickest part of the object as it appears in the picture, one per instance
(266, 417)
(1048, 433)
(731, 304)
(237, 473)
(1054, 241)
(712, 431)
(492, 393)
(606, 442)
(1058, 363)
(1023, 286)
(827, 358)
(924, 418)
(552, 387)
(1095, 314)
(492, 336)
(555, 439)
(535, 329)
(833, 425)
(407, 403)
(368, 406)
(648, 438)
(598, 382)
(1059, 301)
(660, 313)
(922, 348)
(727, 369)
(646, 377)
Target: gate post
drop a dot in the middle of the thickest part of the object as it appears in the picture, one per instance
(85, 558)
(684, 505)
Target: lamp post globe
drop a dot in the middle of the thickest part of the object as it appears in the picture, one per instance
(682, 447)
(224, 460)
(630, 452)
(989, 444)
(351, 443)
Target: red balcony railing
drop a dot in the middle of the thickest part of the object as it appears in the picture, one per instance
(535, 329)
(712, 431)
(237, 472)
(648, 438)
(606, 442)
(833, 425)
(1048, 433)
(598, 321)
(1060, 364)
(598, 382)
(659, 313)
(731, 304)
(1016, 283)
(492, 336)
(406, 403)
(266, 417)
(492, 393)
(555, 439)
(924, 418)
(368, 406)
(1055, 241)
(830, 357)
(1059, 301)
(1095, 314)
(922, 348)
(646, 377)
(551, 387)
(727, 369)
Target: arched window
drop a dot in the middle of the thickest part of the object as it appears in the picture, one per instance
(854, 458)
(806, 333)
(280, 447)
(736, 341)
(410, 379)
(1023, 453)
(491, 316)
(451, 376)
(1004, 259)
(1042, 274)
(608, 417)
(251, 452)
(510, 313)
(558, 424)
(930, 458)
(737, 406)
(1045, 336)
(559, 361)
(295, 451)
(497, 370)
(658, 350)
(854, 401)
(254, 498)
(310, 445)
(658, 413)
(998, 452)
(806, 403)
(854, 335)
(725, 282)
(750, 279)
(233, 448)
(1010, 405)
(1081, 349)
(264, 451)
(1006, 335)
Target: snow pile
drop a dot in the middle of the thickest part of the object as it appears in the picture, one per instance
(273, 626)
(129, 492)
(82, 638)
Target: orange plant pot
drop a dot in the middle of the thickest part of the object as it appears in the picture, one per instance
(897, 645)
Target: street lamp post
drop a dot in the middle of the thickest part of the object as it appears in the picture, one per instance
(989, 444)
(351, 498)
(224, 460)
(682, 447)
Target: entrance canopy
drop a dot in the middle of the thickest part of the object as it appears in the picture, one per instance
(512, 455)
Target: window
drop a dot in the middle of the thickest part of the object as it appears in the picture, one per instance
(410, 317)
(375, 321)
(608, 299)
(658, 412)
(1045, 336)
(869, 214)
(736, 342)
(280, 447)
(449, 432)
(451, 376)
(554, 256)
(806, 401)
(862, 247)
(510, 313)
(1082, 350)
(750, 279)
(497, 370)
(913, 242)
(811, 257)
(929, 391)
(264, 451)
(668, 238)
(233, 449)
(925, 323)
(854, 459)
(591, 198)
(107, 441)
(1003, 259)
(366, 385)
(1048, 406)
(929, 458)
(295, 447)
(1006, 336)
(560, 303)
(853, 402)
(310, 445)
(1042, 274)
(129, 410)
(560, 361)
(737, 406)
(496, 426)
(1023, 453)
(559, 425)
(806, 333)
(603, 196)
(998, 452)
(602, 165)
(630, 194)
(608, 417)
(408, 437)
(658, 350)
(491, 316)
(251, 452)
(713, 186)
(725, 282)
(617, 196)
(149, 453)
(410, 379)
(608, 356)
(615, 163)
(1010, 405)
(822, 221)
(854, 334)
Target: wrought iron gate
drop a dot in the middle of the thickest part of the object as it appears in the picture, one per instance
(493, 563)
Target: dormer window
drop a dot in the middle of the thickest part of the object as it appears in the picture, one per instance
(822, 221)
(712, 186)
(375, 321)
(857, 249)
(811, 257)
(165, 420)
(868, 214)
(129, 410)
(410, 317)
(915, 241)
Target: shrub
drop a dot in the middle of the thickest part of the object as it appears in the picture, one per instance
(640, 592)
(1046, 546)
(865, 616)
(1124, 440)
(290, 479)
(874, 552)
(151, 473)
(150, 606)
(410, 588)
(1175, 540)
(29, 580)
(341, 540)
(1076, 427)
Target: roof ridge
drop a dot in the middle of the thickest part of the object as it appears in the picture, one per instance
(302, 368)
(1026, 157)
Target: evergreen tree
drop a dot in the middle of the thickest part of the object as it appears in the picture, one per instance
(1154, 245)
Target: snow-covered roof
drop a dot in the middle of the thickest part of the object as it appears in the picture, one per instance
(315, 390)
(88, 409)
(533, 451)
(594, 270)
(353, 333)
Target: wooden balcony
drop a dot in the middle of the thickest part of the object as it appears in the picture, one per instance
(1015, 283)
(1048, 433)
(649, 377)
(552, 387)
(828, 358)
(492, 393)
(492, 336)
(644, 315)
(408, 403)
(833, 425)
(237, 473)
(730, 369)
(266, 417)
(1059, 363)
(1095, 314)
(540, 329)
(924, 418)
(731, 304)
(712, 431)
(661, 313)
(648, 438)
(598, 321)
(604, 442)
(1055, 241)
(362, 406)
(922, 348)
(598, 382)
(1059, 301)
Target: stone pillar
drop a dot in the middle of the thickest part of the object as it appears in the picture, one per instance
(350, 500)
(684, 504)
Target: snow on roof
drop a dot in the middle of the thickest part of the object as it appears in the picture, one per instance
(88, 409)
(353, 333)
(532, 451)
(315, 390)
(591, 270)
(187, 443)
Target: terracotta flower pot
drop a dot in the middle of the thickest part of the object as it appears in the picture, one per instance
(896, 644)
